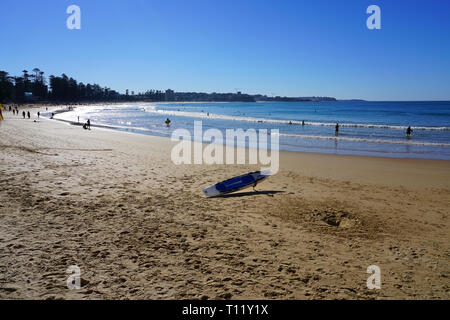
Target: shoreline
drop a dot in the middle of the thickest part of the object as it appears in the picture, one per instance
(141, 131)
(321, 163)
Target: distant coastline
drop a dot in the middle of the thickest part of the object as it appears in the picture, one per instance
(36, 88)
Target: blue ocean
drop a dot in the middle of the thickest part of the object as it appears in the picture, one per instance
(365, 128)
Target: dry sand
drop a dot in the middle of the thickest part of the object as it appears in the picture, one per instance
(139, 226)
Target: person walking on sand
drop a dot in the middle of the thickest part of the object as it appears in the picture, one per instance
(88, 124)
(23, 114)
(28, 114)
(336, 129)
(39, 114)
(408, 131)
(167, 122)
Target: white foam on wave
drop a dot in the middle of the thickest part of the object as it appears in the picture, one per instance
(204, 115)
(337, 138)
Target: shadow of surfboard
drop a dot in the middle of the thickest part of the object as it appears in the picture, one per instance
(249, 193)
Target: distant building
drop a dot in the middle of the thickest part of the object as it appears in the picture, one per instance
(29, 96)
(169, 95)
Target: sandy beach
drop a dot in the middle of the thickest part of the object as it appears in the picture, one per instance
(139, 227)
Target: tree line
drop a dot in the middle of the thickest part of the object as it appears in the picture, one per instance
(36, 87)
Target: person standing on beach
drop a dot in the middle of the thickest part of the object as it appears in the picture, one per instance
(28, 114)
(23, 114)
(336, 129)
(38, 114)
(88, 124)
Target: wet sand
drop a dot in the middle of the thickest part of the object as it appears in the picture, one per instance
(139, 227)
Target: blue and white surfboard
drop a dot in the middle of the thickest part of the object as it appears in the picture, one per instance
(236, 183)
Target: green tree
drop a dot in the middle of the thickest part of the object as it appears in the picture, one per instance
(6, 86)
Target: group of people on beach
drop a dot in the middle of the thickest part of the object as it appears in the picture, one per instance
(27, 114)
(15, 111)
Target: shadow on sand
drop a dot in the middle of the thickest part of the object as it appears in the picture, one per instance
(250, 193)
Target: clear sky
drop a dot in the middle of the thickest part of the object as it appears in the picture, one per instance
(288, 48)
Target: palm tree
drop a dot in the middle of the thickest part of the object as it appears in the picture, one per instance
(26, 80)
(36, 73)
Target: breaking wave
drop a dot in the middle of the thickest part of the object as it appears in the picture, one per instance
(204, 115)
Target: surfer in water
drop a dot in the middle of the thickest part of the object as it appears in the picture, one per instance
(167, 122)
(303, 122)
(408, 132)
(336, 129)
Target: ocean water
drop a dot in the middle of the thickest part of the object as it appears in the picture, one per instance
(366, 128)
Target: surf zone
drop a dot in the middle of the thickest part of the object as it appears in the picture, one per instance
(237, 146)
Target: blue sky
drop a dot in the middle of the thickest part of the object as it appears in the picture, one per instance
(288, 48)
